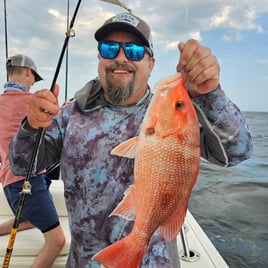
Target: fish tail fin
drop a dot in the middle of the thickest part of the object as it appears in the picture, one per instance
(123, 253)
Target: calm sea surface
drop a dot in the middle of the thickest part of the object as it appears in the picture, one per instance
(231, 204)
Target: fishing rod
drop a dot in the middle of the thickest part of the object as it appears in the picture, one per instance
(67, 57)
(26, 188)
(5, 16)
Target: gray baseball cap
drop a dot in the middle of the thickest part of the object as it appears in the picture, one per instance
(20, 60)
(126, 22)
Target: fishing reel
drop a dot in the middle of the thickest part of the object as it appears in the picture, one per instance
(26, 188)
(70, 32)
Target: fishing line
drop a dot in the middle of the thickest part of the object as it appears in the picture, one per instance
(26, 189)
(186, 12)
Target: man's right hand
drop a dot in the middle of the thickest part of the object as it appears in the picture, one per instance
(42, 107)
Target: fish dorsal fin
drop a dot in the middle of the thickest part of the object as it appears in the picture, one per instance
(126, 148)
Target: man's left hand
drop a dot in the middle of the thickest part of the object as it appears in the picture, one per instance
(199, 67)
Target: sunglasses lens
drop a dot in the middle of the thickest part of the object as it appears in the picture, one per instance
(109, 50)
(133, 51)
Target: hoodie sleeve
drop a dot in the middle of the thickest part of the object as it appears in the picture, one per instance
(22, 146)
(225, 137)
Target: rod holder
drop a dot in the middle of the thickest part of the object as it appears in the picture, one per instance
(187, 254)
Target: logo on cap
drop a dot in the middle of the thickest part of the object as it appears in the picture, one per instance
(127, 18)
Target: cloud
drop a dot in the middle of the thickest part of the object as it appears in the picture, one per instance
(195, 35)
(37, 28)
(235, 17)
(221, 18)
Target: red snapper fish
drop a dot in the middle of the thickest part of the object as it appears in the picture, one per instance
(167, 159)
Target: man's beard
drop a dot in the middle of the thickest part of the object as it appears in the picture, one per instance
(117, 91)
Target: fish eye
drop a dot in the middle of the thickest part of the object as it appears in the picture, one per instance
(179, 105)
(150, 131)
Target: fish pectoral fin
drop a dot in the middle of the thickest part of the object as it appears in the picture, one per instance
(126, 148)
(125, 208)
(171, 229)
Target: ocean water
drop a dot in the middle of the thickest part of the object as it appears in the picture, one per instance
(231, 204)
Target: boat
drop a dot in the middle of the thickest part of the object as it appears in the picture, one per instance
(195, 250)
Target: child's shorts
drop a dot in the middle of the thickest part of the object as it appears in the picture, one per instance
(38, 207)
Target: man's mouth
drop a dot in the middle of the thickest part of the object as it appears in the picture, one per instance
(120, 71)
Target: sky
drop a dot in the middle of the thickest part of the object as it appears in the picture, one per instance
(236, 31)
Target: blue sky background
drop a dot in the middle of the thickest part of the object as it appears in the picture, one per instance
(235, 30)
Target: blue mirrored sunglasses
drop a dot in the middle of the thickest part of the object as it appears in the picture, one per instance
(133, 51)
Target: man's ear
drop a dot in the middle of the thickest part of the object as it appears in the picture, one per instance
(28, 72)
(151, 63)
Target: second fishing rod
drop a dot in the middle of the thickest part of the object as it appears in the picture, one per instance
(26, 189)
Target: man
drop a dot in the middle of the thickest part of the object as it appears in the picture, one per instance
(108, 111)
(38, 209)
